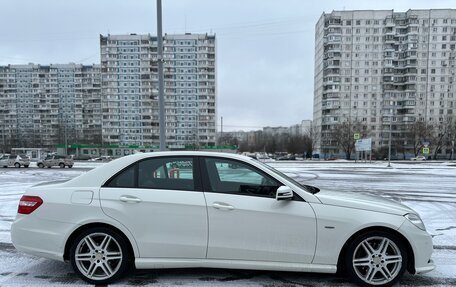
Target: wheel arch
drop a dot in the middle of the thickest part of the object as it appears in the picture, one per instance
(79, 230)
(410, 254)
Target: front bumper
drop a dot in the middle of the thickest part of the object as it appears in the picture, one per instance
(421, 243)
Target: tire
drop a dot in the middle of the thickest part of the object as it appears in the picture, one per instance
(91, 263)
(17, 165)
(40, 165)
(376, 258)
(49, 167)
(70, 166)
(26, 166)
(62, 165)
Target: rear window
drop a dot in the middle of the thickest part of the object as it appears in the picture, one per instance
(125, 178)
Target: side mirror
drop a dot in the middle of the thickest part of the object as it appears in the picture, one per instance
(284, 193)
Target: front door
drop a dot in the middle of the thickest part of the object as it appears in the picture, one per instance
(246, 222)
(160, 202)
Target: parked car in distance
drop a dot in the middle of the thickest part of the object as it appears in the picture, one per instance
(286, 157)
(261, 156)
(216, 210)
(56, 160)
(420, 157)
(17, 161)
(103, 158)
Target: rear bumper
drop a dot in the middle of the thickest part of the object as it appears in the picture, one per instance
(43, 238)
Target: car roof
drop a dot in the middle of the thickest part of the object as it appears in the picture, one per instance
(96, 177)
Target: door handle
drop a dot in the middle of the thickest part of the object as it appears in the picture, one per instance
(222, 206)
(130, 199)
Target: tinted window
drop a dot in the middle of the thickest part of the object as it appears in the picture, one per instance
(229, 176)
(166, 173)
(124, 179)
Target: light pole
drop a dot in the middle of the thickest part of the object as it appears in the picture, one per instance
(452, 149)
(389, 141)
(161, 90)
(390, 133)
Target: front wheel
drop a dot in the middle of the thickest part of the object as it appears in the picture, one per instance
(62, 165)
(100, 256)
(376, 258)
(17, 165)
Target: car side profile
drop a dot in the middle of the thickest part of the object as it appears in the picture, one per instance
(420, 157)
(56, 160)
(17, 161)
(216, 210)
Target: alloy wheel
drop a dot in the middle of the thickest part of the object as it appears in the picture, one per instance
(98, 256)
(377, 260)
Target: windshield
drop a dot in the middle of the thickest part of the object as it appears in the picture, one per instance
(308, 188)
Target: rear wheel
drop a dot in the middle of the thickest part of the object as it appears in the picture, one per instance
(40, 165)
(62, 165)
(100, 256)
(376, 258)
(17, 165)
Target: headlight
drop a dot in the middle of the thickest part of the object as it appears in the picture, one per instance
(416, 220)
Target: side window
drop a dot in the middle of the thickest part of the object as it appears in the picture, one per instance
(124, 179)
(229, 176)
(171, 173)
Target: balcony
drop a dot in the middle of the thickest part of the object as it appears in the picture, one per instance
(333, 22)
(331, 71)
(332, 48)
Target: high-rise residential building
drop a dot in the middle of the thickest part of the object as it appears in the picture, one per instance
(130, 104)
(375, 66)
(115, 102)
(41, 106)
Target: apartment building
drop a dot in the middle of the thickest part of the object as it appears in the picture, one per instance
(130, 104)
(115, 103)
(41, 106)
(377, 66)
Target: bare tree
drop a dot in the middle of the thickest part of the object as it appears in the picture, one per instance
(310, 140)
(343, 135)
(439, 136)
(450, 137)
(418, 133)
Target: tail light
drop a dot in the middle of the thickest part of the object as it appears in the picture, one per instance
(29, 204)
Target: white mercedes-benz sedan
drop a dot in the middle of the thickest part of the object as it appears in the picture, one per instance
(203, 209)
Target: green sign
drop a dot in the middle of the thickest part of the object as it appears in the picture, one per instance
(356, 136)
(426, 150)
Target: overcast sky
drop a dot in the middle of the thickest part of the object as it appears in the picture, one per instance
(265, 48)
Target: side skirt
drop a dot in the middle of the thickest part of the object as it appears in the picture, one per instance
(163, 263)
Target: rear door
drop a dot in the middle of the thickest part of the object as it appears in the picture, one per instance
(160, 201)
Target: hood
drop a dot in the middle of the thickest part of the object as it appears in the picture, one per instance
(363, 201)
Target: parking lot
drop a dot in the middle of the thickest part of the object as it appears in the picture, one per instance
(428, 188)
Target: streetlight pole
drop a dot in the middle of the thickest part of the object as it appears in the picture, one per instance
(161, 91)
(389, 140)
(452, 149)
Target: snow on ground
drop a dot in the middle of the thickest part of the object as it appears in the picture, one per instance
(426, 187)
